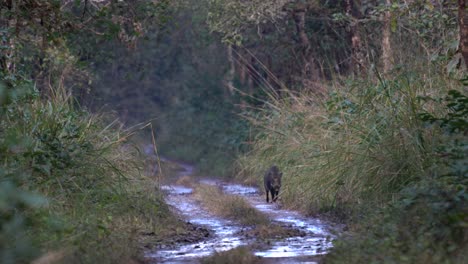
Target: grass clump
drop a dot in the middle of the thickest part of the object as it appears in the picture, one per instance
(71, 187)
(229, 206)
(186, 181)
(428, 223)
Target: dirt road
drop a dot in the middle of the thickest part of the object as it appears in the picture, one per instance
(314, 241)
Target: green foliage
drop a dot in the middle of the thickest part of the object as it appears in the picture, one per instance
(361, 145)
(456, 119)
(232, 18)
(428, 223)
(70, 185)
(40, 39)
(15, 244)
(179, 83)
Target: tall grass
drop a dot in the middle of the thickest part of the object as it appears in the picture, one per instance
(387, 156)
(359, 145)
(93, 202)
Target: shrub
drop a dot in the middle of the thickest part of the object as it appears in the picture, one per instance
(358, 146)
(71, 185)
(428, 223)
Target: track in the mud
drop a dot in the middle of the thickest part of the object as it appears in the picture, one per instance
(227, 235)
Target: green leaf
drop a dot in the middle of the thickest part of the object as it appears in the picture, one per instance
(394, 24)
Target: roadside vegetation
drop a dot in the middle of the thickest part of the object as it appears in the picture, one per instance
(387, 160)
(379, 143)
(72, 183)
(361, 104)
(71, 186)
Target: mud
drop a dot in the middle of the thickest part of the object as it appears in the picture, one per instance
(306, 241)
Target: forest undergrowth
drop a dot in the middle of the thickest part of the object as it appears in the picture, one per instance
(72, 189)
(386, 156)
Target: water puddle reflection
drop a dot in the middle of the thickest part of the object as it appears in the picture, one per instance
(226, 234)
(224, 231)
(317, 240)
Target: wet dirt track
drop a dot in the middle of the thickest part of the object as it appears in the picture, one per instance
(226, 234)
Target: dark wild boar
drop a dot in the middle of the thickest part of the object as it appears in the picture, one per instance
(272, 182)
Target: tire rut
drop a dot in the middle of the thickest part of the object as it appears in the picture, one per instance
(315, 238)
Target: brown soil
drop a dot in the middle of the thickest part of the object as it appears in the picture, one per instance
(184, 234)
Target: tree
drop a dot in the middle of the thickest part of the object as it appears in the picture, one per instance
(358, 54)
(37, 34)
(387, 57)
(463, 24)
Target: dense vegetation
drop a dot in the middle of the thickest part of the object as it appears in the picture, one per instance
(362, 104)
(176, 79)
(380, 140)
(72, 187)
(375, 160)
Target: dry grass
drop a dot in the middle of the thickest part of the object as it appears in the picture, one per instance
(237, 208)
(229, 206)
(186, 181)
(362, 143)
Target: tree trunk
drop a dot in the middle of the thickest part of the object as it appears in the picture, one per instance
(7, 63)
(229, 78)
(357, 56)
(299, 19)
(386, 46)
(310, 71)
(463, 23)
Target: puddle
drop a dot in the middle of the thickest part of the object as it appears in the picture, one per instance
(224, 231)
(317, 240)
(176, 189)
(226, 234)
(240, 190)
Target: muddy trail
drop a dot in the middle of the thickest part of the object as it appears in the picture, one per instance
(313, 240)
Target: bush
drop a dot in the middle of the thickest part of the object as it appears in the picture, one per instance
(70, 185)
(385, 157)
(359, 146)
(428, 223)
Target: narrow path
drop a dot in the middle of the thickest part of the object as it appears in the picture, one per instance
(224, 231)
(316, 241)
(227, 234)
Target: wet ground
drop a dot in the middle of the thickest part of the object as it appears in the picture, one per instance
(315, 238)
